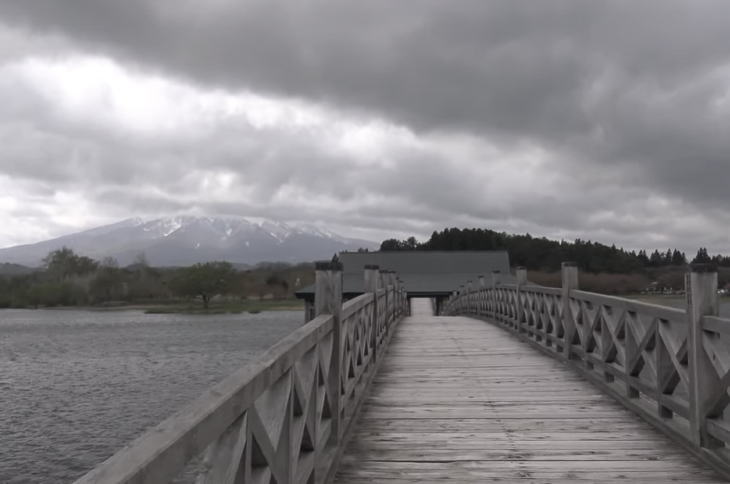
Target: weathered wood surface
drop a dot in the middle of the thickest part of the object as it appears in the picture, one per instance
(671, 367)
(457, 399)
(280, 419)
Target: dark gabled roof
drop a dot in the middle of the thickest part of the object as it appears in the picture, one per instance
(428, 262)
(424, 273)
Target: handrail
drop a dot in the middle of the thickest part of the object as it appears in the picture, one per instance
(632, 305)
(715, 324)
(716, 344)
(159, 454)
(353, 305)
(645, 355)
(274, 419)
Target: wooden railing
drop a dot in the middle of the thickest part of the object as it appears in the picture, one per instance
(670, 366)
(283, 417)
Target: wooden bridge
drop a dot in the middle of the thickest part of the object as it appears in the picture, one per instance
(513, 383)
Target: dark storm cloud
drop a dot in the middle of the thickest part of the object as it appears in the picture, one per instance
(629, 101)
(602, 81)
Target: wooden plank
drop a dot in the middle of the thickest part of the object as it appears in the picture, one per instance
(461, 400)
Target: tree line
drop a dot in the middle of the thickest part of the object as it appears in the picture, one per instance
(541, 253)
(69, 279)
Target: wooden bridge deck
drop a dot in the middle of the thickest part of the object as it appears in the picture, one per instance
(461, 400)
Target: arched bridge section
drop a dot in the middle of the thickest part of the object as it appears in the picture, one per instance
(460, 400)
(512, 382)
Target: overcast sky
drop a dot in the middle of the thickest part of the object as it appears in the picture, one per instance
(600, 120)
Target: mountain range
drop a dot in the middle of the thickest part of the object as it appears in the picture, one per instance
(185, 240)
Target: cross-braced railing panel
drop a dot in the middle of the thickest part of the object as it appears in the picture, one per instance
(541, 315)
(715, 361)
(640, 353)
(381, 315)
(278, 420)
(357, 337)
(261, 424)
(641, 344)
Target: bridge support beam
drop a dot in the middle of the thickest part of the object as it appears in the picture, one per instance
(702, 300)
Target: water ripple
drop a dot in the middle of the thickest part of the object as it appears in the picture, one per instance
(75, 386)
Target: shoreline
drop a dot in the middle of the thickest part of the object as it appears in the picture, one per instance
(179, 307)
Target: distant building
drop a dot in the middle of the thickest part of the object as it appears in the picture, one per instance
(433, 274)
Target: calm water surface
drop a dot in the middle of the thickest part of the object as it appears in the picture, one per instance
(75, 386)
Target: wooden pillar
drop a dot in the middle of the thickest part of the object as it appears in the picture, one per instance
(393, 295)
(406, 305)
(469, 297)
(495, 283)
(401, 296)
(569, 283)
(404, 296)
(308, 311)
(396, 290)
(462, 298)
(328, 300)
(521, 276)
(384, 284)
(482, 295)
(371, 285)
(702, 300)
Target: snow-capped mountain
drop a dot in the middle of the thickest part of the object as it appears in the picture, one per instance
(184, 240)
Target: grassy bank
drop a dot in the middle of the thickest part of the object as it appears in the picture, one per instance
(674, 300)
(229, 307)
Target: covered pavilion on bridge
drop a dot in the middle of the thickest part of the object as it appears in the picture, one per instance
(430, 274)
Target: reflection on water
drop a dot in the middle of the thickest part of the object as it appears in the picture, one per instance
(75, 386)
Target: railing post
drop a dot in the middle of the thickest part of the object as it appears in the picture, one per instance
(569, 282)
(521, 275)
(469, 297)
(495, 283)
(308, 311)
(702, 300)
(462, 303)
(482, 295)
(401, 296)
(393, 304)
(371, 285)
(328, 300)
(394, 296)
(383, 275)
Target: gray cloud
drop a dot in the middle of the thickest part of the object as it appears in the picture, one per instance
(629, 102)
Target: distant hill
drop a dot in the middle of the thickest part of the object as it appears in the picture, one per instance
(14, 269)
(185, 240)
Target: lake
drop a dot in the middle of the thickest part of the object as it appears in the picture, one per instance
(75, 386)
